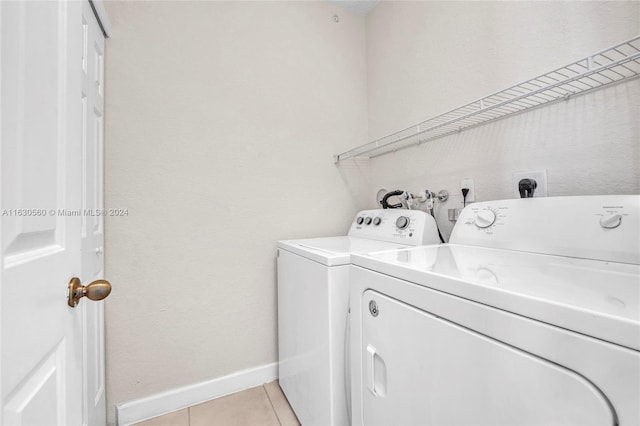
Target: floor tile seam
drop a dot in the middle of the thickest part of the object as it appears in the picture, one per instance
(273, 408)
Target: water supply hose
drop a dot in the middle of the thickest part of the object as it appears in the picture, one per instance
(385, 203)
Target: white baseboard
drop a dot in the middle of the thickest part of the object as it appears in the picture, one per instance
(176, 399)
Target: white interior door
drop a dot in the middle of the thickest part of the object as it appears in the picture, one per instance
(92, 227)
(44, 342)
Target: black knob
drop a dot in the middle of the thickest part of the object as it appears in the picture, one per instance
(402, 222)
(367, 221)
(376, 221)
(360, 220)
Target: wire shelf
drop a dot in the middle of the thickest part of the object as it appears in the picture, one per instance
(609, 66)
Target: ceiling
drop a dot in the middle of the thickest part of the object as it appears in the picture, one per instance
(357, 7)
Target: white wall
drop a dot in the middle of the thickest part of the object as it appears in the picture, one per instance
(425, 58)
(221, 122)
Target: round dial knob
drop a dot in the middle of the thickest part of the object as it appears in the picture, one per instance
(402, 222)
(611, 221)
(367, 221)
(360, 220)
(377, 221)
(485, 218)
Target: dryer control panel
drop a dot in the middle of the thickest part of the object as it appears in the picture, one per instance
(411, 227)
(603, 227)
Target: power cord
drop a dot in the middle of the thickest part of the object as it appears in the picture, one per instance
(465, 191)
(433, 213)
(439, 233)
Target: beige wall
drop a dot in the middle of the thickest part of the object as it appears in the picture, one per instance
(221, 122)
(425, 58)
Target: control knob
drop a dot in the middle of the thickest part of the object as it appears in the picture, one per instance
(367, 221)
(611, 221)
(485, 218)
(360, 220)
(402, 222)
(377, 221)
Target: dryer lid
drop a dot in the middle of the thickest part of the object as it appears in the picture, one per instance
(596, 298)
(334, 251)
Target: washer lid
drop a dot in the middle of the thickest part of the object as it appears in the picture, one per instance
(596, 298)
(334, 251)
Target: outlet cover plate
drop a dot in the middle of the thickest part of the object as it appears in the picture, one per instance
(468, 183)
(539, 176)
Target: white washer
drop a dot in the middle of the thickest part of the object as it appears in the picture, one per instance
(529, 316)
(313, 292)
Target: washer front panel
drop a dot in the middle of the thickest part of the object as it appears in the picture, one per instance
(312, 309)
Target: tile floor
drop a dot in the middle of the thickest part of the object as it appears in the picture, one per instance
(263, 405)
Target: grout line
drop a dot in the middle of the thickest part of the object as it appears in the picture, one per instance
(273, 408)
(189, 415)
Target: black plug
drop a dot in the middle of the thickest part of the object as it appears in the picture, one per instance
(465, 191)
(527, 187)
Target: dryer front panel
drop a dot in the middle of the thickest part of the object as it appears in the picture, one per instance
(418, 368)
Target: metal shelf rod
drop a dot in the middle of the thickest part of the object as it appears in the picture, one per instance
(593, 72)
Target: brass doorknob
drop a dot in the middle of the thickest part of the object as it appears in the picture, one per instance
(97, 290)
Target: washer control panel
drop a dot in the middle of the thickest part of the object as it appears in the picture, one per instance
(411, 227)
(603, 227)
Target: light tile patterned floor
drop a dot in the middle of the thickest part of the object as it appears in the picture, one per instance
(263, 405)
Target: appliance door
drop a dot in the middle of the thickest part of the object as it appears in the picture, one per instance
(419, 368)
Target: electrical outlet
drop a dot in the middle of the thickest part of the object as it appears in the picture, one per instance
(454, 214)
(541, 180)
(468, 183)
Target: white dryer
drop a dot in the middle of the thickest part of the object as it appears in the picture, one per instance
(313, 292)
(530, 315)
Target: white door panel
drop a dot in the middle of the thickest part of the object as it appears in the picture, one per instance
(32, 89)
(46, 135)
(423, 369)
(92, 143)
(40, 135)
